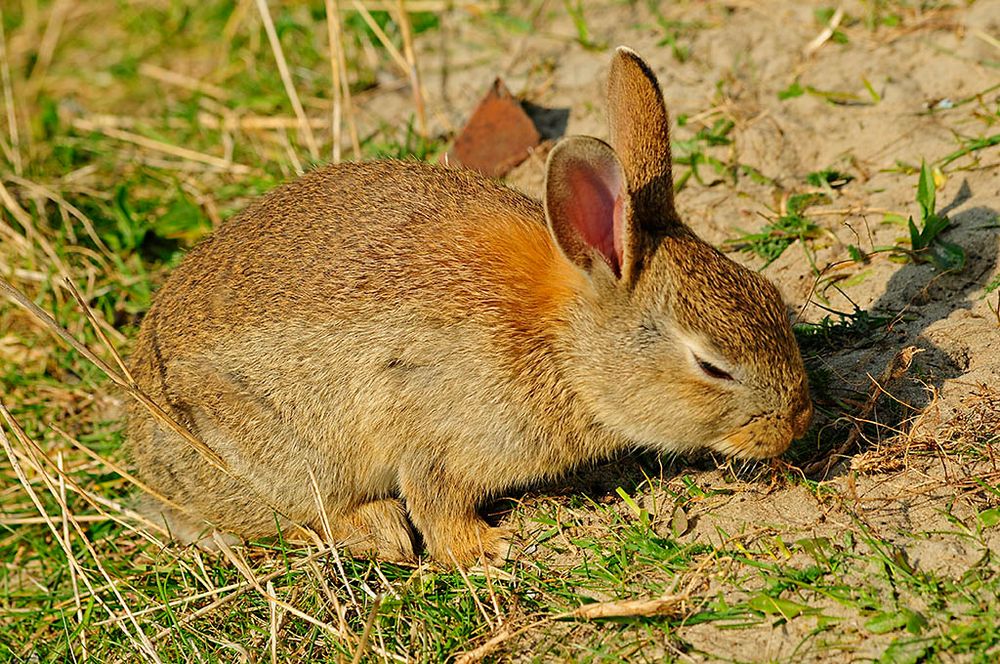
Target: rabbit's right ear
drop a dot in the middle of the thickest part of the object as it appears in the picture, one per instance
(640, 134)
(586, 202)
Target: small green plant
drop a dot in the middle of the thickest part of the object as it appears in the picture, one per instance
(824, 16)
(834, 97)
(837, 329)
(993, 285)
(575, 11)
(794, 90)
(691, 152)
(673, 31)
(387, 144)
(671, 36)
(990, 287)
(357, 26)
(970, 146)
(778, 235)
(879, 13)
(926, 245)
(694, 152)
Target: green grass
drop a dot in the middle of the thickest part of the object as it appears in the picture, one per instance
(575, 10)
(926, 242)
(636, 528)
(790, 227)
(701, 150)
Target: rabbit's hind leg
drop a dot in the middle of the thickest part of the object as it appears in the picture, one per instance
(379, 527)
(184, 528)
(259, 492)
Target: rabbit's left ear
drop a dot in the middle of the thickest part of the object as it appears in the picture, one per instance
(586, 205)
(640, 134)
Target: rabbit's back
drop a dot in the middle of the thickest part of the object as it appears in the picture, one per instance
(374, 234)
(417, 263)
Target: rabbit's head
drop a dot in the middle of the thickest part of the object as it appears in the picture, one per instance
(670, 343)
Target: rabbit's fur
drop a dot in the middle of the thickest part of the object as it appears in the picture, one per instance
(411, 339)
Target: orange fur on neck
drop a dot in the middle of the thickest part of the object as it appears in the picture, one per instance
(531, 280)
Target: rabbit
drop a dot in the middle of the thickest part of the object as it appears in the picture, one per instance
(377, 348)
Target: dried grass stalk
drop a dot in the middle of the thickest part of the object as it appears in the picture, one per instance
(286, 78)
(159, 146)
(669, 605)
(139, 639)
(411, 60)
(8, 96)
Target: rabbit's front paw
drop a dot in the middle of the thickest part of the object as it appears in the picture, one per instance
(470, 543)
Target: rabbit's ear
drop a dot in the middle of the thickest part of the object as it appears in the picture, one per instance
(640, 134)
(585, 202)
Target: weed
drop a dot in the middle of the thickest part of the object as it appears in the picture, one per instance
(795, 89)
(356, 26)
(673, 32)
(926, 244)
(788, 228)
(823, 16)
(970, 146)
(835, 97)
(387, 145)
(991, 287)
(575, 10)
(829, 178)
(881, 13)
(694, 153)
(837, 329)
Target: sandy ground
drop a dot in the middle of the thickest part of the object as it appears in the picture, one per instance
(742, 55)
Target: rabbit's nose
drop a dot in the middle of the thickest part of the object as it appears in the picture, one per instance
(802, 419)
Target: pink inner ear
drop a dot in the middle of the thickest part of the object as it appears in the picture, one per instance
(596, 210)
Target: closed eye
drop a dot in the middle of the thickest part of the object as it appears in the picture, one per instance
(712, 370)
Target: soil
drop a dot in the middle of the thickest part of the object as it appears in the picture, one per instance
(742, 54)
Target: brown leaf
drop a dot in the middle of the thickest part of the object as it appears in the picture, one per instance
(498, 136)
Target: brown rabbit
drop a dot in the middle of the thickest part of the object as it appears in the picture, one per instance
(418, 339)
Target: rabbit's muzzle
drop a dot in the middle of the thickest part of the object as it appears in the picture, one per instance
(770, 435)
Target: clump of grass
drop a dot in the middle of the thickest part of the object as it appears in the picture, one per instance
(926, 243)
(673, 32)
(778, 235)
(691, 152)
(574, 8)
(696, 152)
(837, 329)
(387, 144)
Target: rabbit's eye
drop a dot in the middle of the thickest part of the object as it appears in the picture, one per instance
(713, 371)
